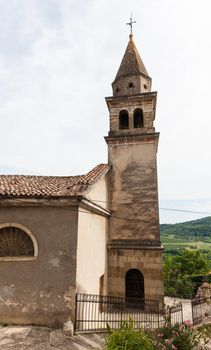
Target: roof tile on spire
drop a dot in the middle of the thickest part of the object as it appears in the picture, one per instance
(132, 63)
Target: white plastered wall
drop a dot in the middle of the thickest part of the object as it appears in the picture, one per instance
(91, 246)
(99, 192)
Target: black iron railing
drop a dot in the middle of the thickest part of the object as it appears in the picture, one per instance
(95, 312)
(201, 310)
(174, 314)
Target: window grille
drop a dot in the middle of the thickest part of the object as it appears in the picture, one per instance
(15, 242)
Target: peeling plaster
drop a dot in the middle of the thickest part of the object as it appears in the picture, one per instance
(33, 291)
(25, 309)
(46, 293)
(7, 293)
(68, 297)
(54, 262)
(34, 306)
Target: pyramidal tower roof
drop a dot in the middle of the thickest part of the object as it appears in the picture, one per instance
(132, 63)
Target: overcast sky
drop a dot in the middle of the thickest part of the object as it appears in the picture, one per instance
(57, 61)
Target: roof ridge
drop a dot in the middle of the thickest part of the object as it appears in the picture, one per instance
(53, 186)
(40, 176)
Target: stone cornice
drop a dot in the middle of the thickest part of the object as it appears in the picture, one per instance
(134, 138)
(144, 95)
(25, 201)
(56, 202)
(134, 245)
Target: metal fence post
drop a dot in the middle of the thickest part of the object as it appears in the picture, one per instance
(75, 323)
(169, 316)
(192, 312)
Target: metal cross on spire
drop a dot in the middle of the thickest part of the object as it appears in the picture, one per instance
(131, 24)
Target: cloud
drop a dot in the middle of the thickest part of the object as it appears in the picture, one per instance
(57, 62)
(174, 211)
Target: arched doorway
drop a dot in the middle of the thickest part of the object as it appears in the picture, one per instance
(134, 286)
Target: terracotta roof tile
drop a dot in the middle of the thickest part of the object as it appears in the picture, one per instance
(49, 186)
(132, 63)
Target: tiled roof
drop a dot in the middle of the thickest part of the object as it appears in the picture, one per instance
(49, 186)
(132, 63)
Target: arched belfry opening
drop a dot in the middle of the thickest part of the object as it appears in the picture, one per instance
(138, 118)
(134, 284)
(123, 120)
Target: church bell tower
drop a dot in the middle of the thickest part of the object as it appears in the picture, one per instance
(134, 250)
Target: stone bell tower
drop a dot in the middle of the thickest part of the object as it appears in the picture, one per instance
(134, 248)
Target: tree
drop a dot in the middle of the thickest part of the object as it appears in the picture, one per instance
(179, 272)
(192, 262)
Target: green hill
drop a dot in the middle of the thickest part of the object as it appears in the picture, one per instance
(194, 234)
(195, 228)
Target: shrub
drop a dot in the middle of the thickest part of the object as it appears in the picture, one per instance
(206, 328)
(180, 288)
(180, 337)
(126, 338)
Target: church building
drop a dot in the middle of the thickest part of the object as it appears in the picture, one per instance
(96, 233)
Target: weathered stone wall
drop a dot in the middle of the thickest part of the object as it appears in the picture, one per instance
(149, 262)
(131, 84)
(204, 291)
(41, 291)
(133, 188)
(134, 234)
(147, 102)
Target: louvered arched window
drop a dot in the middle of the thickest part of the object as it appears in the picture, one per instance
(16, 242)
